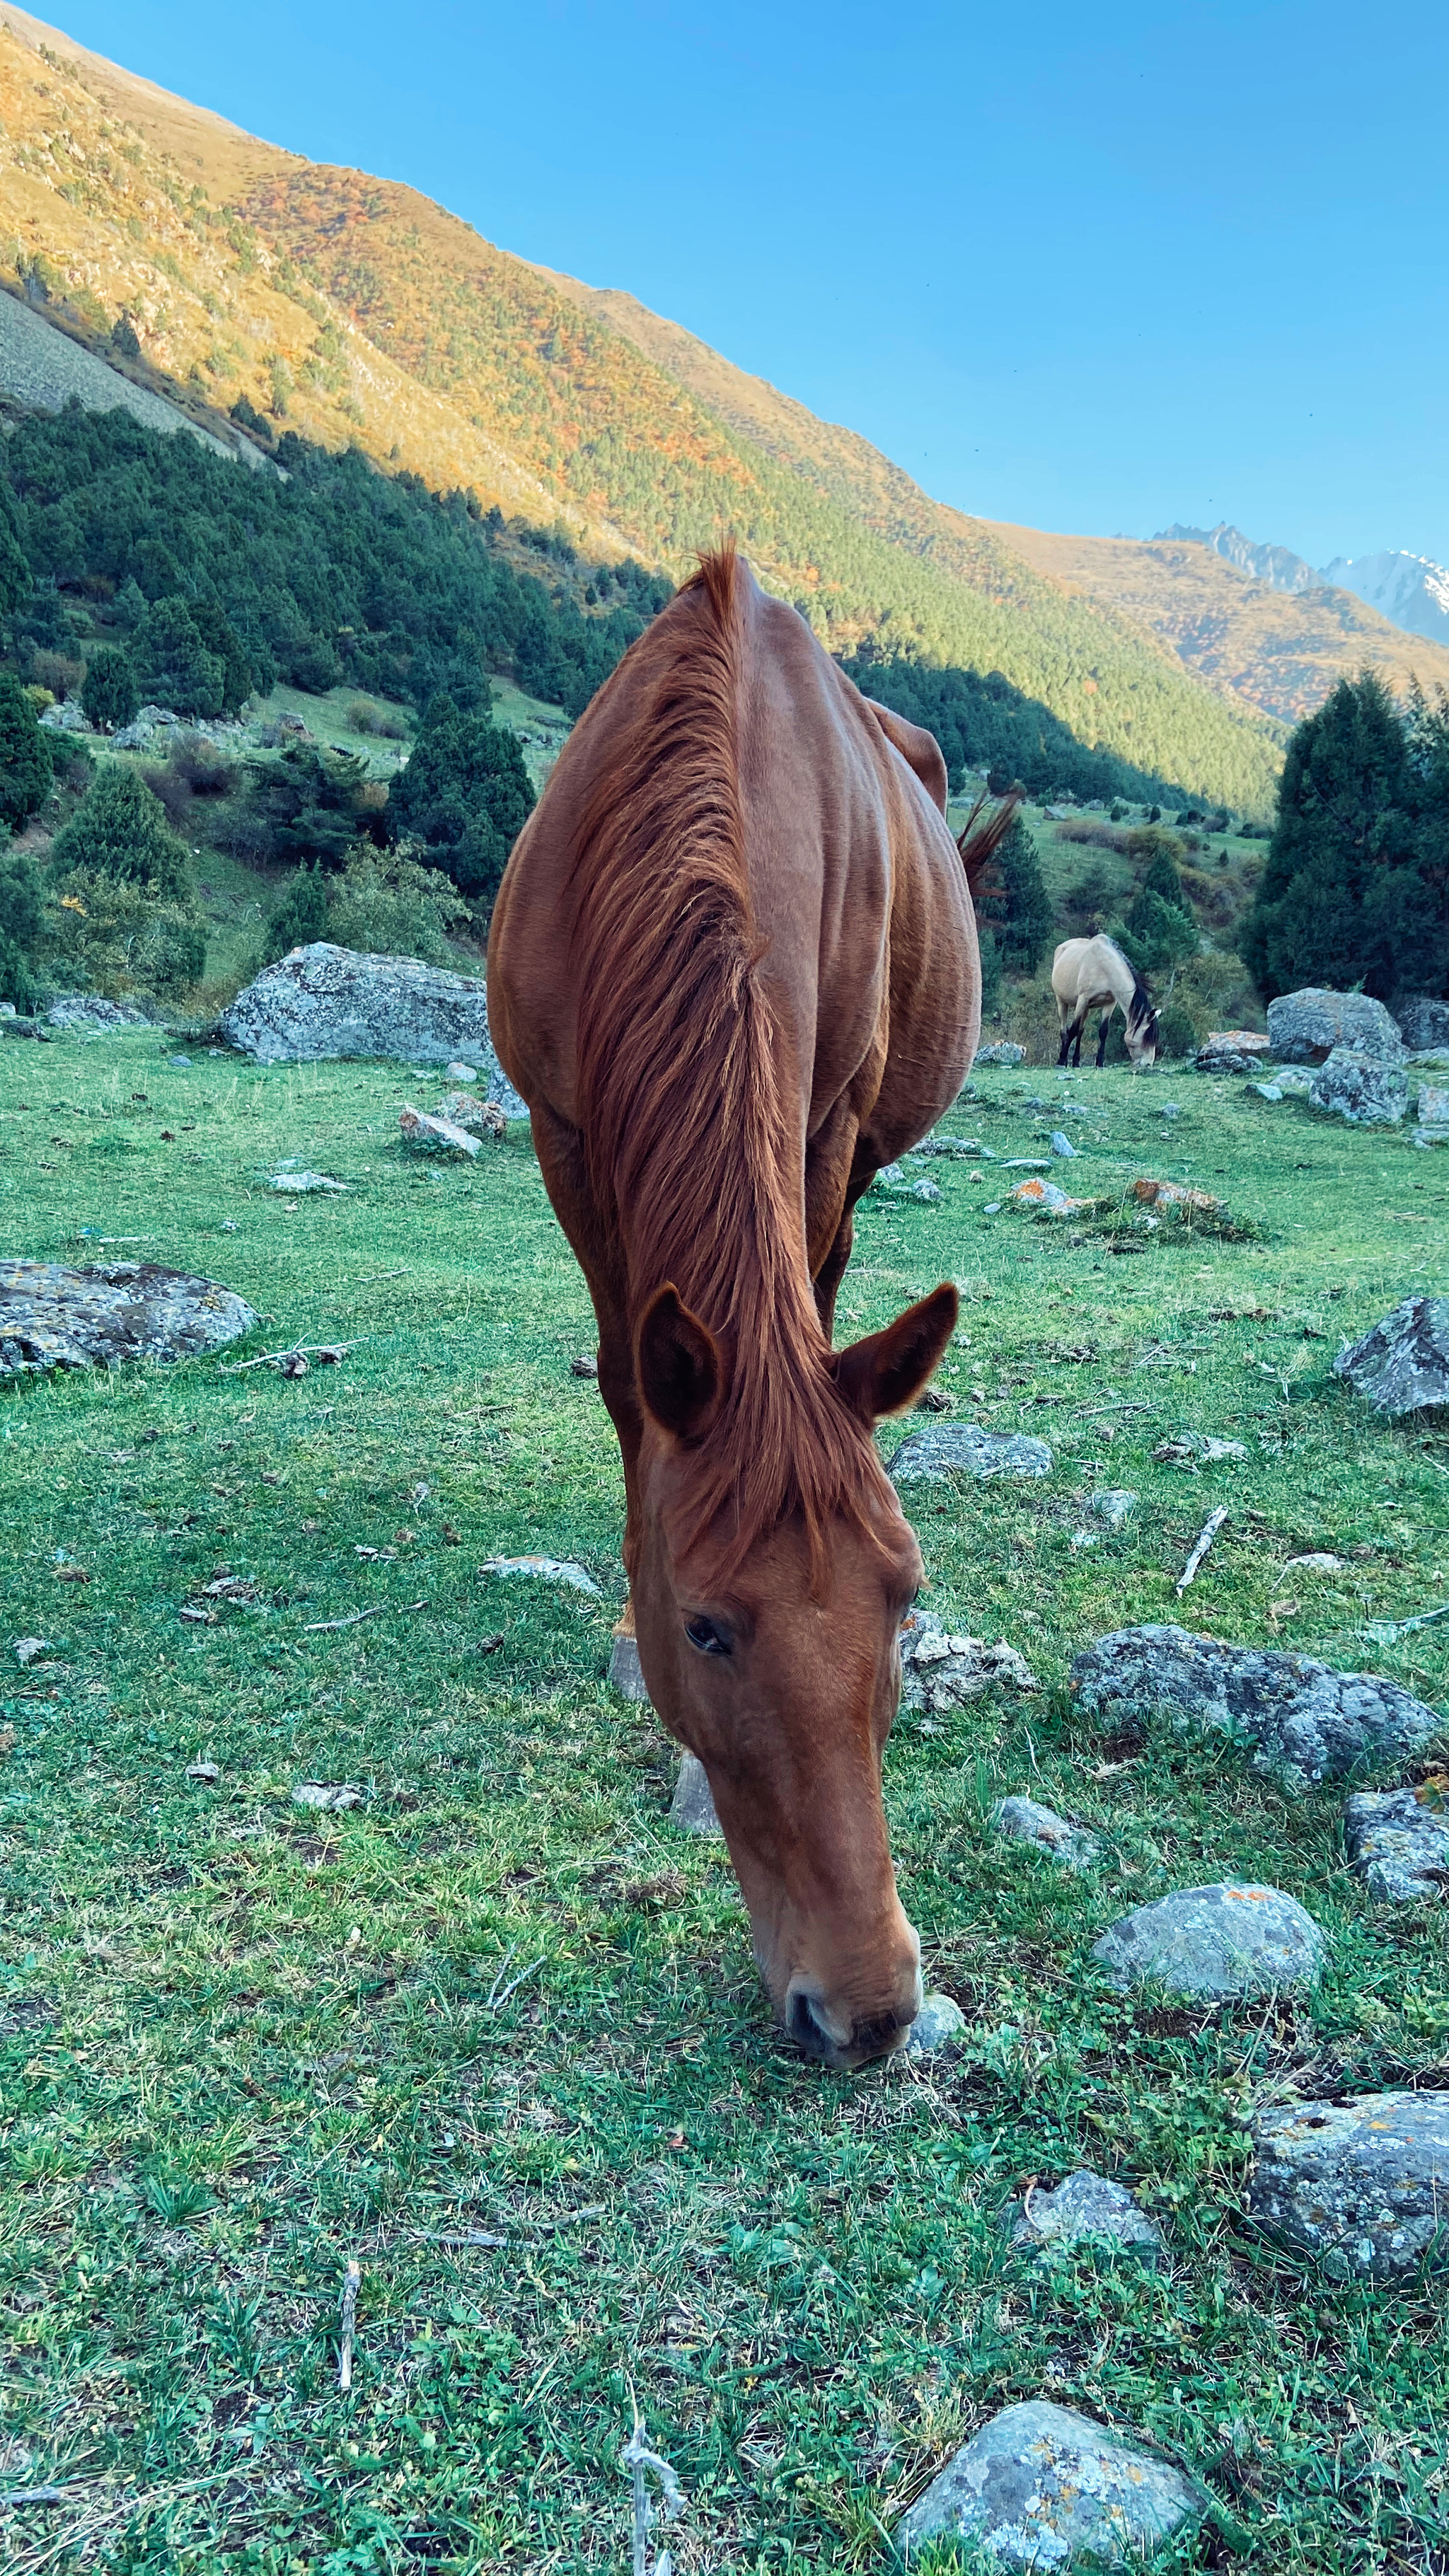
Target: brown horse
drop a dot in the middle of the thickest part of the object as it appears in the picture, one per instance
(733, 971)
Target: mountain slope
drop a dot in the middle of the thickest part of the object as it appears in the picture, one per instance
(1412, 590)
(358, 312)
(1281, 650)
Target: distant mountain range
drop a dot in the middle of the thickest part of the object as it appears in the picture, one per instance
(1411, 591)
(251, 285)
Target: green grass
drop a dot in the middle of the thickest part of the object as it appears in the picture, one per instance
(243, 2041)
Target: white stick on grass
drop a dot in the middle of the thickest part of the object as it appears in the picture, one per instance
(638, 2459)
(352, 2283)
(1206, 1535)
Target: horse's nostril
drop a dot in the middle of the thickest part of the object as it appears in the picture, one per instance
(805, 2029)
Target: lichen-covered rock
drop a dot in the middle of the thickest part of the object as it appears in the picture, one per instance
(1364, 2185)
(939, 2024)
(1300, 1716)
(626, 1673)
(1022, 1820)
(1232, 1939)
(1432, 1106)
(89, 1011)
(1362, 1089)
(51, 1317)
(1232, 1051)
(1423, 1022)
(1402, 1364)
(1398, 1843)
(322, 1000)
(1001, 1053)
(964, 1449)
(1085, 2205)
(1114, 1504)
(1041, 2487)
(479, 1117)
(1305, 1027)
(436, 1135)
(940, 1670)
(693, 1809)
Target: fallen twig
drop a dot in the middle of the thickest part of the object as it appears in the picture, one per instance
(382, 1609)
(474, 2236)
(1206, 1535)
(352, 2283)
(498, 1993)
(1384, 1631)
(35, 2495)
(327, 1352)
(638, 2459)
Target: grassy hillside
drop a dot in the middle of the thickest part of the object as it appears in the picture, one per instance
(1280, 652)
(355, 311)
(244, 2041)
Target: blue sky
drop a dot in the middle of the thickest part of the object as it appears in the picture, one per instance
(1095, 268)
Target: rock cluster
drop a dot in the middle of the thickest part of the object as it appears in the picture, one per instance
(1001, 1053)
(1299, 1716)
(939, 1671)
(90, 1011)
(1365, 1090)
(1232, 1051)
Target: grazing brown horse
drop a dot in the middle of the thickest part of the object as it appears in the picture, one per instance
(1093, 975)
(733, 971)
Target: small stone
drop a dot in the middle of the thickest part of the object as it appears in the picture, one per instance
(1398, 1844)
(203, 1771)
(1433, 1104)
(1086, 2205)
(626, 1673)
(1001, 1053)
(965, 1449)
(332, 1797)
(939, 2024)
(1169, 1109)
(1306, 1027)
(179, 1063)
(1299, 1717)
(1061, 1144)
(439, 1134)
(584, 1365)
(1320, 1561)
(692, 1811)
(1364, 2185)
(889, 1177)
(1402, 1364)
(1293, 1082)
(940, 1671)
(458, 1072)
(1022, 1820)
(27, 1648)
(1114, 1504)
(543, 1569)
(478, 1117)
(928, 1192)
(1268, 1090)
(1361, 1089)
(1232, 1939)
(1040, 2486)
(300, 1183)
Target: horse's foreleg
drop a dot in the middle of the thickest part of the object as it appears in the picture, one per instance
(1065, 1044)
(1102, 1041)
(837, 1168)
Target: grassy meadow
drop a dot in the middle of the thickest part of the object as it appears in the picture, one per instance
(494, 2033)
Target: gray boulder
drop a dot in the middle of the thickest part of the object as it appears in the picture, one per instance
(1364, 2185)
(1300, 1717)
(1397, 1845)
(1040, 2486)
(1305, 1027)
(89, 1011)
(693, 1810)
(1360, 1088)
(1022, 1820)
(1233, 1939)
(1402, 1363)
(1423, 1022)
(1085, 2205)
(51, 1317)
(322, 1000)
(626, 1673)
(964, 1449)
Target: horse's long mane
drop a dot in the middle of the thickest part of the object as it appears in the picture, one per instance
(1142, 1017)
(684, 1127)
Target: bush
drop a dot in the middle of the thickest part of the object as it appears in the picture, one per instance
(121, 831)
(25, 763)
(465, 793)
(299, 915)
(312, 803)
(387, 903)
(1176, 1033)
(1085, 906)
(109, 693)
(116, 936)
(17, 984)
(59, 673)
(382, 721)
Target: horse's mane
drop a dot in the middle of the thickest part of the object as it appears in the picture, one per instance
(684, 1127)
(1142, 1015)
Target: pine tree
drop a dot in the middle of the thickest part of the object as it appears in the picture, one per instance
(1016, 909)
(466, 794)
(1351, 894)
(108, 692)
(25, 764)
(120, 830)
(299, 915)
(176, 668)
(22, 912)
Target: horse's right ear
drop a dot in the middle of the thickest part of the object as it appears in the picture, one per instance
(678, 1365)
(886, 1372)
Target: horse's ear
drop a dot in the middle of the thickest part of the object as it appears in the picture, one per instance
(886, 1372)
(679, 1368)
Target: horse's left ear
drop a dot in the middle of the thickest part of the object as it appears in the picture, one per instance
(886, 1372)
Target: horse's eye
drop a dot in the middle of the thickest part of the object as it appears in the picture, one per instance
(705, 1635)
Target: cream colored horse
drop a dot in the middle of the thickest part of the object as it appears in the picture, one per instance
(1093, 975)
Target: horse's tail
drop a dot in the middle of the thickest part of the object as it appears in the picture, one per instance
(979, 842)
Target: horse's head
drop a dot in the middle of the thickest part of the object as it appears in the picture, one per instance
(1142, 1041)
(778, 1665)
